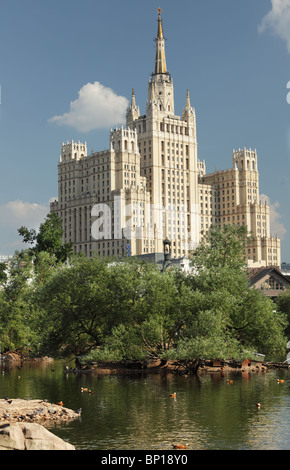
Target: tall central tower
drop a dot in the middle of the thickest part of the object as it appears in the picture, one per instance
(161, 83)
(168, 148)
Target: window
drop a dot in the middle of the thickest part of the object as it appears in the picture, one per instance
(271, 284)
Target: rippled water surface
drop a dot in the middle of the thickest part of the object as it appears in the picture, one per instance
(137, 413)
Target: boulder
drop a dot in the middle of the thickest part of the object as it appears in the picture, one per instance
(11, 437)
(30, 436)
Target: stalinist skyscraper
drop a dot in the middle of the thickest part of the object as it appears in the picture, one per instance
(149, 185)
(168, 151)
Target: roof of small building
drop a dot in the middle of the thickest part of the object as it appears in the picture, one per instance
(255, 274)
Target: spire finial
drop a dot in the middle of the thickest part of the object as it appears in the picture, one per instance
(160, 61)
(133, 102)
(160, 32)
(187, 100)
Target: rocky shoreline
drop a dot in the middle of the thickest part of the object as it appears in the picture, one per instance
(20, 410)
(22, 424)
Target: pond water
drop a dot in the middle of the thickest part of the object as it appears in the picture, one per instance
(137, 413)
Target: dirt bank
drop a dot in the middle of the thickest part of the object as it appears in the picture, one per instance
(170, 367)
(154, 366)
(175, 367)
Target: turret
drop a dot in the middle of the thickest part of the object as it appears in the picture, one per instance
(245, 159)
(124, 140)
(188, 113)
(133, 111)
(73, 151)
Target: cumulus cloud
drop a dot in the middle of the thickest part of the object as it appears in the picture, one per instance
(13, 215)
(17, 213)
(276, 226)
(97, 107)
(277, 20)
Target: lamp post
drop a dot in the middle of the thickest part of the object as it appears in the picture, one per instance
(167, 254)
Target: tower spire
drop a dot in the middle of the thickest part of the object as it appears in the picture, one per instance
(160, 61)
(161, 90)
(188, 106)
(160, 30)
(133, 101)
(133, 111)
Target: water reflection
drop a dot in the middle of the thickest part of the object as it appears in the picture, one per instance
(137, 412)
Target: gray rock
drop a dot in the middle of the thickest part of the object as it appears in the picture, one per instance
(11, 437)
(30, 436)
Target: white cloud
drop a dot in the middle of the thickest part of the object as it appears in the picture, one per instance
(97, 107)
(17, 213)
(277, 20)
(277, 228)
(13, 215)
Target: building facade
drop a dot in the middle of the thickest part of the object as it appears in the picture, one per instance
(149, 185)
(232, 197)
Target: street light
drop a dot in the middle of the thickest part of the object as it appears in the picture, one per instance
(167, 254)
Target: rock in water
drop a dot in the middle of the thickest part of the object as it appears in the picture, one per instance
(30, 436)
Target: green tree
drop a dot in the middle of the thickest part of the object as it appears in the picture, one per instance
(161, 303)
(221, 247)
(283, 303)
(82, 303)
(48, 238)
(69, 304)
(91, 304)
(223, 317)
(154, 329)
(132, 310)
(17, 315)
(3, 273)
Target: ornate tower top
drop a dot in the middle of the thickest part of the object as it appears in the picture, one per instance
(160, 31)
(133, 111)
(73, 151)
(160, 61)
(133, 101)
(160, 91)
(188, 111)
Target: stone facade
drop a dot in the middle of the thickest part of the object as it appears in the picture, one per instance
(232, 197)
(149, 185)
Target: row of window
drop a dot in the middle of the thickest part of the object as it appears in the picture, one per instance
(272, 284)
(174, 129)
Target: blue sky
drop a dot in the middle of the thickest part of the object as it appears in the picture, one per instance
(58, 60)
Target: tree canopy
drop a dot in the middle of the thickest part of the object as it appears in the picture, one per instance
(126, 309)
(283, 304)
(48, 239)
(249, 320)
